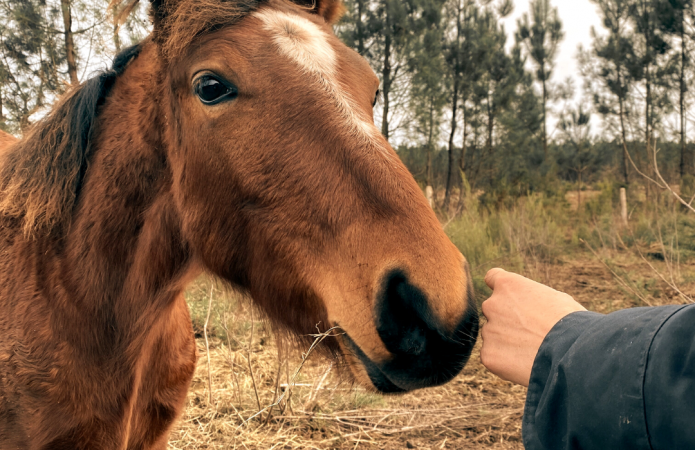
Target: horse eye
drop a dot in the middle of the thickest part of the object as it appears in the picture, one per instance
(376, 97)
(211, 90)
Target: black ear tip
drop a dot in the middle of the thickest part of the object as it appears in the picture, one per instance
(330, 10)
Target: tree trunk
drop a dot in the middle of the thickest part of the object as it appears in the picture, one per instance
(623, 206)
(475, 171)
(648, 101)
(69, 42)
(545, 130)
(648, 97)
(386, 78)
(429, 144)
(360, 27)
(621, 112)
(116, 27)
(464, 149)
(450, 171)
(116, 39)
(490, 130)
(683, 170)
(429, 195)
(454, 110)
(622, 131)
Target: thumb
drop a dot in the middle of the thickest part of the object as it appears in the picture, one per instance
(492, 275)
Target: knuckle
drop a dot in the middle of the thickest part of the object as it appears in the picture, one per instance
(506, 277)
(484, 331)
(489, 306)
(485, 307)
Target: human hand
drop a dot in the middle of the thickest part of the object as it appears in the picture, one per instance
(520, 313)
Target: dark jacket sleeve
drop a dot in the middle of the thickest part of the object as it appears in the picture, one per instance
(625, 380)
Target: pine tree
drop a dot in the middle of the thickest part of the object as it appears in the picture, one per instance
(461, 72)
(427, 66)
(70, 52)
(463, 54)
(674, 19)
(580, 155)
(385, 33)
(651, 50)
(541, 36)
(31, 55)
(615, 55)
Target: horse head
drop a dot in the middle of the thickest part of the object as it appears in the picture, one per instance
(286, 188)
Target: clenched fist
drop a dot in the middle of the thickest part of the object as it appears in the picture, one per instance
(520, 313)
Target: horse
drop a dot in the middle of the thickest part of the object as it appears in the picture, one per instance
(236, 140)
(6, 140)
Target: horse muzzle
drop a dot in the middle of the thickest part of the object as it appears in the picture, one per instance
(423, 352)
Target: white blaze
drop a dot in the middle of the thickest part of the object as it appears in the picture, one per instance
(300, 40)
(307, 45)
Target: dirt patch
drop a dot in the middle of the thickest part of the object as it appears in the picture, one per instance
(573, 198)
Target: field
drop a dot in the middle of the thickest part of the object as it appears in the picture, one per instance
(265, 396)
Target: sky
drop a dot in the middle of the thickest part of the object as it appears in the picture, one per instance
(577, 16)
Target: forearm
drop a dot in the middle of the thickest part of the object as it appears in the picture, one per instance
(594, 373)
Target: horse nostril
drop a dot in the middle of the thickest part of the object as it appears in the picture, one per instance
(423, 352)
(403, 319)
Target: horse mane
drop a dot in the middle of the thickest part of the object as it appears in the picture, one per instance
(41, 175)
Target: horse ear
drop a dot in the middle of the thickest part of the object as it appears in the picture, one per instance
(121, 9)
(330, 10)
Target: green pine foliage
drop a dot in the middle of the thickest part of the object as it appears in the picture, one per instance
(34, 63)
(469, 104)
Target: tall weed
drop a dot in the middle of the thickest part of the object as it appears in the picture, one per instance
(539, 230)
(517, 238)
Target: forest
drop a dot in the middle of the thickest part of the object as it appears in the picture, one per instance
(477, 104)
(469, 104)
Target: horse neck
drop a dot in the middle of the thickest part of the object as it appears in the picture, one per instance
(123, 260)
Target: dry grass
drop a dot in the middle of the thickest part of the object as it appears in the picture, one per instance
(474, 410)
(322, 409)
(259, 400)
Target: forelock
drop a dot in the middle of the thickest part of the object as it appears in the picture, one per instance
(189, 19)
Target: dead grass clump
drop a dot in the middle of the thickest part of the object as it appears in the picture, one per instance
(322, 411)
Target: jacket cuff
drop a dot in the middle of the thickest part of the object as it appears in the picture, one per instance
(586, 386)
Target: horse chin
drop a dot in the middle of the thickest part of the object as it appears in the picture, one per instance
(436, 365)
(365, 371)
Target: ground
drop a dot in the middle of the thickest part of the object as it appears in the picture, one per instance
(475, 411)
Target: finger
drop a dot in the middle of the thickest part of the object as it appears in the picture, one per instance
(491, 277)
(485, 356)
(484, 332)
(486, 308)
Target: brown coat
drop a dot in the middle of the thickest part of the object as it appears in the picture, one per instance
(6, 140)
